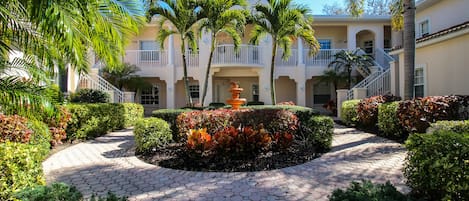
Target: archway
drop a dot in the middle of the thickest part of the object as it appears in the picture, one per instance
(180, 97)
(285, 89)
(365, 40)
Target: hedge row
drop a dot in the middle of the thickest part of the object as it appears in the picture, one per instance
(398, 119)
(93, 120)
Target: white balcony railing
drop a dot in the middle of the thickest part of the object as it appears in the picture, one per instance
(192, 59)
(157, 58)
(321, 58)
(246, 55)
(292, 61)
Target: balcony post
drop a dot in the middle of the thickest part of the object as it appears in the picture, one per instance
(351, 38)
(300, 51)
(171, 50)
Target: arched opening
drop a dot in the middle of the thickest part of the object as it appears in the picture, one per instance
(154, 96)
(366, 41)
(285, 89)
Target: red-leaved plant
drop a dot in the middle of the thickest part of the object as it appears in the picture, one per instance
(13, 128)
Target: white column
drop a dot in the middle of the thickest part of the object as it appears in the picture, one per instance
(171, 50)
(264, 74)
(170, 94)
(300, 51)
(351, 38)
(341, 97)
(394, 77)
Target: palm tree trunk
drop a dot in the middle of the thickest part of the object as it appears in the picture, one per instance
(349, 76)
(185, 78)
(272, 70)
(409, 48)
(209, 65)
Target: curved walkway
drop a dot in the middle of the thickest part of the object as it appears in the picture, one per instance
(108, 164)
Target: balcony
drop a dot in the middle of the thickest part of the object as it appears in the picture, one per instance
(291, 61)
(146, 58)
(192, 59)
(247, 55)
(321, 58)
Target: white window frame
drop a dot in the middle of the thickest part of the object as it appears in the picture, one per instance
(419, 27)
(153, 93)
(425, 85)
(191, 89)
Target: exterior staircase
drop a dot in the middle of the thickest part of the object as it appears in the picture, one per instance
(94, 81)
(378, 81)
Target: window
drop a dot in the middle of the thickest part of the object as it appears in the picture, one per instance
(325, 43)
(321, 93)
(194, 91)
(419, 82)
(368, 46)
(149, 51)
(150, 96)
(424, 28)
(255, 92)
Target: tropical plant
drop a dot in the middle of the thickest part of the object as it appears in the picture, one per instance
(183, 15)
(44, 36)
(402, 18)
(284, 21)
(345, 61)
(124, 77)
(332, 76)
(221, 17)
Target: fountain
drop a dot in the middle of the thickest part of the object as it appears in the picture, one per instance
(235, 101)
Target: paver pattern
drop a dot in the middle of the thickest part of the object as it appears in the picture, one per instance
(108, 164)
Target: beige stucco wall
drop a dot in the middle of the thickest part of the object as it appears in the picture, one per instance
(180, 97)
(444, 14)
(447, 66)
(337, 34)
(285, 89)
(221, 87)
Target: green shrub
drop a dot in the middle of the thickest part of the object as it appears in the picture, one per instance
(437, 165)
(367, 109)
(20, 167)
(41, 134)
(254, 103)
(349, 112)
(319, 134)
(368, 191)
(56, 191)
(54, 94)
(454, 126)
(132, 112)
(151, 133)
(170, 116)
(93, 120)
(89, 96)
(110, 197)
(216, 105)
(388, 123)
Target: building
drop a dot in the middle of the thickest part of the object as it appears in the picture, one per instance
(442, 39)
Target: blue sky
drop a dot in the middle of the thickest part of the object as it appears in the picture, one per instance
(317, 5)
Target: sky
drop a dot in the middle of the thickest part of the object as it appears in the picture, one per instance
(317, 5)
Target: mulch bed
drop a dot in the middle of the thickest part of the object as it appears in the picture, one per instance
(174, 157)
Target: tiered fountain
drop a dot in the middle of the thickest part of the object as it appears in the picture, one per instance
(235, 101)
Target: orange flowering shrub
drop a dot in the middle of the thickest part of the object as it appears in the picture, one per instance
(199, 141)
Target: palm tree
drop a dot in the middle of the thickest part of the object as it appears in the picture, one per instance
(403, 17)
(284, 21)
(124, 77)
(221, 16)
(50, 34)
(332, 76)
(183, 15)
(345, 61)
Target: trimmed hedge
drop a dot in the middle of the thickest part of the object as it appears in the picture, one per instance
(368, 191)
(93, 120)
(170, 116)
(349, 112)
(388, 123)
(21, 167)
(89, 96)
(367, 109)
(41, 134)
(303, 113)
(132, 113)
(320, 136)
(454, 126)
(150, 134)
(437, 166)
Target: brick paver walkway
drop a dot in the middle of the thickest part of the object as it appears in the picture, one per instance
(108, 164)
